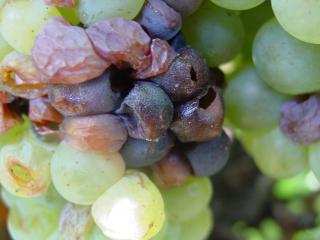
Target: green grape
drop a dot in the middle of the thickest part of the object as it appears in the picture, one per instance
(81, 177)
(25, 166)
(252, 20)
(199, 227)
(285, 63)
(237, 4)
(70, 14)
(5, 48)
(51, 199)
(32, 221)
(217, 33)
(250, 103)
(185, 202)
(174, 231)
(162, 233)
(278, 157)
(314, 159)
(22, 20)
(271, 230)
(54, 236)
(131, 209)
(307, 234)
(299, 18)
(94, 10)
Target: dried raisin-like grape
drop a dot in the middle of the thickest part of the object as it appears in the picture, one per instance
(6, 97)
(122, 42)
(20, 77)
(200, 119)
(162, 55)
(65, 54)
(103, 133)
(300, 120)
(61, 3)
(41, 111)
(8, 119)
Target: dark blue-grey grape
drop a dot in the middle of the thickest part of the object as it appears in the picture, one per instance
(187, 76)
(160, 20)
(91, 97)
(185, 7)
(178, 42)
(147, 111)
(208, 158)
(141, 153)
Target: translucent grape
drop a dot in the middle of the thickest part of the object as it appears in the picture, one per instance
(250, 103)
(174, 231)
(94, 10)
(299, 18)
(97, 234)
(314, 159)
(278, 157)
(238, 4)
(32, 221)
(131, 209)
(24, 167)
(32, 13)
(199, 227)
(81, 177)
(70, 14)
(217, 33)
(185, 202)
(285, 63)
(5, 48)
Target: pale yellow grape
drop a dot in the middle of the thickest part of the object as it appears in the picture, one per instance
(132, 209)
(5, 48)
(185, 202)
(81, 177)
(174, 231)
(199, 227)
(22, 20)
(94, 10)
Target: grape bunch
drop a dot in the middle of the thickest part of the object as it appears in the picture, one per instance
(111, 124)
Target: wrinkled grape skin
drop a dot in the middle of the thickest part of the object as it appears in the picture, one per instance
(160, 20)
(147, 111)
(121, 42)
(88, 98)
(102, 133)
(133, 202)
(65, 55)
(162, 56)
(200, 119)
(81, 177)
(187, 76)
(185, 7)
(208, 158)
(62, 3)
(6, 97)
(173, 170)
(251, 104)
(300, 120)
(75, 222)
(20, 76)
(277, 156)
(285, 63)
(41, 111)
(25, 167)
(140, 153)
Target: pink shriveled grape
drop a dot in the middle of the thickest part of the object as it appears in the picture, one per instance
(65, 54)
(122, 42)
(61, 3)
(162, 55)
(41, 111)
(20, 77)
(102, 133)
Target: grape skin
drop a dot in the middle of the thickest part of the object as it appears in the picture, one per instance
(238, 4)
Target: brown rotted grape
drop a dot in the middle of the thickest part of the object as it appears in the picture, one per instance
(102, 133)
(8, 119)
(147, 111)
(162, 55)
(6, 97)
(200, 119)
(65, 55)
(121, 42)
(187, 76)
(172, 170)
(41, 111)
